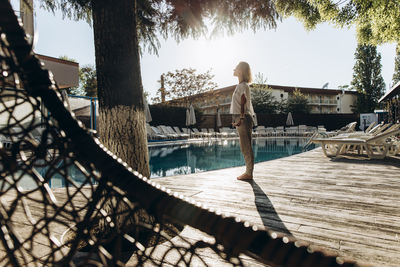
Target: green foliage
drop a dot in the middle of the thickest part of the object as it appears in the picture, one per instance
(187, 83)
(88, 80)
(344, 87)
(367, 78)
(181, 19)
(376, 21)
(262, 99)
(74, 9)
(396, 74)
(298, 103)
(260, 79)
(65, 57)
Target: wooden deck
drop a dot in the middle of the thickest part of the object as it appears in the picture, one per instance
(350, 205)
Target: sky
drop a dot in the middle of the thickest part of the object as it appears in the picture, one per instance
(288, 55)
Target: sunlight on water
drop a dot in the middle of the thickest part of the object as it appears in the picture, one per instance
(191, 158)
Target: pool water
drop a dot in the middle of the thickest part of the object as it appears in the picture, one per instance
(176, 159)
(205, 156)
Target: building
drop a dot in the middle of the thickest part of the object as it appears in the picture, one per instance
(322, 101)
(392, 101)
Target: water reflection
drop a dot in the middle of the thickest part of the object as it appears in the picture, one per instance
(198, 157)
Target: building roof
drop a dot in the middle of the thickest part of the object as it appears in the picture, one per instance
(290, 89)
(66, 73)
(309, 90)
(58, 60)
(392, 92)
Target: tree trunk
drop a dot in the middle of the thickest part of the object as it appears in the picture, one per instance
(121, 111)
(121, 121)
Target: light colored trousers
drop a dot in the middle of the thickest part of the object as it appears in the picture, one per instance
(245, 130)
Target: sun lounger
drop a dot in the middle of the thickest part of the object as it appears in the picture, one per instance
(346, 129)
(205, 132)
(257, 131)
(164, 130)
(279, 131)
(372, 125)
(214, 133)
(197, 133)
(228, 132)
(305, 130)
(375, 146)
(269, 131)
(260, 131)
(154, 134)
(172, 131)
(292, 130)
(181, 133)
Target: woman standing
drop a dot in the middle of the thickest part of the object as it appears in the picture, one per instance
(242, 115)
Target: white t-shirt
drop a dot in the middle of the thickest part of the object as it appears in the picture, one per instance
(242, 88)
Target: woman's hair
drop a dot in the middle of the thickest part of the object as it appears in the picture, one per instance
(246, 72)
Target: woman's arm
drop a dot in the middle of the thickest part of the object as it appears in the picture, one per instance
(242, 103)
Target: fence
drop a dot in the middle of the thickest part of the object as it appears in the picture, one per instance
(330, 121)
(111, 214)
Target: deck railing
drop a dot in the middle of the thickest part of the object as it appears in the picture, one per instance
(113, 214)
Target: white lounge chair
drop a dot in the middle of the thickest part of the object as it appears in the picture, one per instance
(197, 133)
(178, 131)
(205, 132)
(154, 134)
(305, 131)
(349, 128)
(228, 132)
(269, 131)
(164, 130)
(292, 130)
(372, 125)
(172, 131)
(214, 133)
(279, 131)
(375, 146)
(260, 131)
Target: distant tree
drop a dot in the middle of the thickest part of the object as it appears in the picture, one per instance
(186, 83)
(263, 101)
(298, 103)
(88, 80)
(396, 74)
(146, 95)
(259, 78)
(65, 57)
(344, 87)
(367, 78)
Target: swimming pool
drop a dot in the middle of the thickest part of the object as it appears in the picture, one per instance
(178, 159)
(217, 154)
